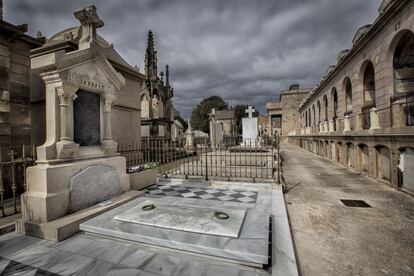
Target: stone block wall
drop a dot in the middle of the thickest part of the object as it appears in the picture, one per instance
(15, 113)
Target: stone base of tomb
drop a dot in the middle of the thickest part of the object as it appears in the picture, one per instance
(67, 226)
(192, 226)
(58, 188)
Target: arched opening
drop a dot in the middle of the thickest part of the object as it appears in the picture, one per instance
(325, 105)
(348, 96)
(350, 155)
(369, 94)
(364, 157)
(326, 147)
(318, 105)
(314, 115)
(306, 118)
(309, 117)
(403, 67)
(383, 162)
(406, 169)
(334, 97)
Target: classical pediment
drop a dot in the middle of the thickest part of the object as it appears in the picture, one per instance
(90, 70)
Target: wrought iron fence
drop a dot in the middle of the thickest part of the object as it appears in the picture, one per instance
(13, 174)
(256, 159)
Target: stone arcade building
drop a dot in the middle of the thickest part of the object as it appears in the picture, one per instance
(361, 114)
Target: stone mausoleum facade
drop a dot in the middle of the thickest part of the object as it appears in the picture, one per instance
(361, 114)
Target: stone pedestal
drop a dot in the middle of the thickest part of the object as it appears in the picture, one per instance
(374, 118)
(325, 126)
(347, 123)
(398, 115)
(57, 189)
(331, 125)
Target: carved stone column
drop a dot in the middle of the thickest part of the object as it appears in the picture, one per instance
(66, 147)
(109, 146)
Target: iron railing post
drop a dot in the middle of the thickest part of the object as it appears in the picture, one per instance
(278, 157)
(206, 179)
(2, 191)
(13, 176)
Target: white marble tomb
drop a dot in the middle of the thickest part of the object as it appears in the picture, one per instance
(186, 218)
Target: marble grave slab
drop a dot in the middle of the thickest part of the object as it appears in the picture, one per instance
(187, 218)
(249, 248)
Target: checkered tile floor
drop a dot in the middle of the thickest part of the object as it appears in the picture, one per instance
(202, 193)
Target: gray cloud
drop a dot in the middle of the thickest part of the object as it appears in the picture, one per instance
(245, 51)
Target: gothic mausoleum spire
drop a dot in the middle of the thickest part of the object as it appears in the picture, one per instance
(167, 75)
(151, 57)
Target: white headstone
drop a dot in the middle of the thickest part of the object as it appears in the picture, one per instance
(250, 126)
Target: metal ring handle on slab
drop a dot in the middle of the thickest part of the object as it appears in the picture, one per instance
(221, 215)
(148, 207)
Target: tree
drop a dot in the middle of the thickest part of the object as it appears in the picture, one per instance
(182, 121)
(200, 115)
(239, 112)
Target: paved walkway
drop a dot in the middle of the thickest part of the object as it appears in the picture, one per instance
(332, 239)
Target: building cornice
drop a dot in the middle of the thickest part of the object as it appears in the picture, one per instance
(375, 28)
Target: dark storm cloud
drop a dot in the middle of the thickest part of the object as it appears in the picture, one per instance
(243, 50)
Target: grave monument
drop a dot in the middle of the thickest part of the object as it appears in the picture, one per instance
(250, 129)
(78, 164)
(216, 130)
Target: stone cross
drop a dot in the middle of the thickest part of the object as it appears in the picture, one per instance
(250, 111)
(90, 21)
(12, 153)
(213, 113)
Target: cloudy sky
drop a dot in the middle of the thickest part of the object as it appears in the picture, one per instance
(243, 50)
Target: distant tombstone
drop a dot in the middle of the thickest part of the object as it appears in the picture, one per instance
(250, 126)
(87, 122)
(216, 130)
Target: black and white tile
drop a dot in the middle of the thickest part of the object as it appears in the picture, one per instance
(202, 193)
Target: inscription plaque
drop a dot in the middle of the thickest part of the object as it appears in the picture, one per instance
(87, 123)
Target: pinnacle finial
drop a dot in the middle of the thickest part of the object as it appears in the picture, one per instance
(167, 75)
(151, 57)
